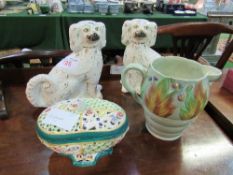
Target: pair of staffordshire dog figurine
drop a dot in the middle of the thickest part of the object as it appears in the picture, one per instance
(78, 74)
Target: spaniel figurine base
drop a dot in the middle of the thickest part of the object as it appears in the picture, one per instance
(138, 35)
(78, 74)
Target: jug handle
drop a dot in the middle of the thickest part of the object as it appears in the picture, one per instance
(139, 68)
(213, 73)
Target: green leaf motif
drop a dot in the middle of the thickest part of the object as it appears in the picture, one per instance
(194, 102)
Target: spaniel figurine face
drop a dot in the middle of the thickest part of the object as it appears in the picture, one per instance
(139, 31)
(87, 34)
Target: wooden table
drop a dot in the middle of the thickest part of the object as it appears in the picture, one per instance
(203, 149)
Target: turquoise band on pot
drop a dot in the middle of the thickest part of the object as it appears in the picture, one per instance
(82, 137)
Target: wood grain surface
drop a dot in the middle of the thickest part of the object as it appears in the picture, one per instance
(203, 148)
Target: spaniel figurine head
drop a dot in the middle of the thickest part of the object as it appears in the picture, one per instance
(139, 31)
(87, 34)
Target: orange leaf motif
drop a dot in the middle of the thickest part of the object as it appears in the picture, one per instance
(159, 98)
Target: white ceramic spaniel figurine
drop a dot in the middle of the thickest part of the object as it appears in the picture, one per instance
(54, 5)
(138, 35)
(78, 74)
(2, 4)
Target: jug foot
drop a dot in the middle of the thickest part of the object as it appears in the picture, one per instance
(89, 159)
(161, 135)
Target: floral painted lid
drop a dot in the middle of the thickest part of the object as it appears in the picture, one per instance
(83, 119)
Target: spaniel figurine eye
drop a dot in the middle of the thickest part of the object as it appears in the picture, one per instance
(135, 26)
(97, 28)
(86, 30)
(146, 27)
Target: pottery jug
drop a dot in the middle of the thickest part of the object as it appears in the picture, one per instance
(174, 91)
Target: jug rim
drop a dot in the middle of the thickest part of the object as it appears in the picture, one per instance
(180, 59)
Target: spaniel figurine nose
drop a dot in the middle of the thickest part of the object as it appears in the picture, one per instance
(93, 37)
(140, 34)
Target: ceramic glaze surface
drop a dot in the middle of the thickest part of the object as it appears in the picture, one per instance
(174, 91)
(170, 98)
(138, 35)
(78, 74)
(98, 126)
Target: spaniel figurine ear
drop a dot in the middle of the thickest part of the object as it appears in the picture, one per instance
(153, 33)
(103, 34)
(125, 36)
(74, 31)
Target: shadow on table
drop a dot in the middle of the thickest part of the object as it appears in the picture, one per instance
(36, 113)
(134, 155)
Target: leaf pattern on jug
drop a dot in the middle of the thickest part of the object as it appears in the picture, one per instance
(194, 102)
(159, 98)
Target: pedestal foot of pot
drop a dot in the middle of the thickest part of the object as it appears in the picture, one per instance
(89, 159)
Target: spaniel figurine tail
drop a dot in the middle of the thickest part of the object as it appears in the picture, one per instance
(40, 91)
